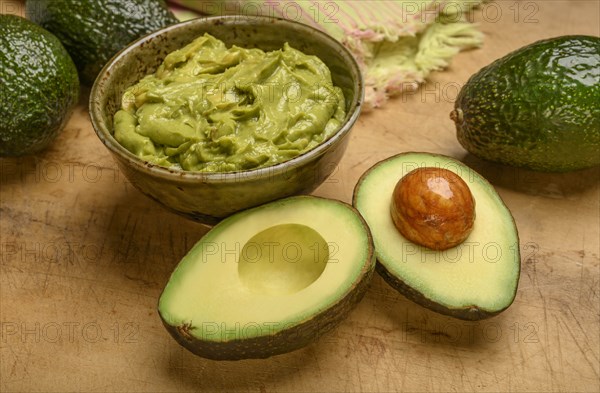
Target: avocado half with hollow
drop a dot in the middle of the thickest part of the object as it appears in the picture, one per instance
(473, 280)
(269, 280)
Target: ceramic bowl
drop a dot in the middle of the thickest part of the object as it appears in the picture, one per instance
(210, 197)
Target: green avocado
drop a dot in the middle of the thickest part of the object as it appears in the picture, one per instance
(39, 86)
(269, 280)
(536, 107)
(95, 30)
(472, 280)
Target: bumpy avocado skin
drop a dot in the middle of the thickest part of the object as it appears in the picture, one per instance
(296, 335)
(282, 342)
(536, 107)
(38, 86)
(95, 30)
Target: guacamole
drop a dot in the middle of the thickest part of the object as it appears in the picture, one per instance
(211, 108)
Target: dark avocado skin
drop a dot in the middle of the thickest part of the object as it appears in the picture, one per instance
(284, 341)
(536, 107)
(38, 86)
(468, 313)
(95, 30)
(287, 340)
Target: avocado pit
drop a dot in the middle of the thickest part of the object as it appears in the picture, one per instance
(433, 207)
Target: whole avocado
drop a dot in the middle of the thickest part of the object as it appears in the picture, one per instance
(95, 30)
(39, 86)
(537, 107)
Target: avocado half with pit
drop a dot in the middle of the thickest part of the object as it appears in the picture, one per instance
(474, 279)
(269, 280)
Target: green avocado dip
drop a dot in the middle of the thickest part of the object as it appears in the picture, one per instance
(210, 108)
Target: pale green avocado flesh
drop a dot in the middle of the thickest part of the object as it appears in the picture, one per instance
(476, 279)
(213, 108)
(270, 279)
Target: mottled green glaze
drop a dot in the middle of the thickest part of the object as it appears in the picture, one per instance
(209, 197)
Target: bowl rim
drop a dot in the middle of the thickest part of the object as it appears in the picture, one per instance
(121, 152)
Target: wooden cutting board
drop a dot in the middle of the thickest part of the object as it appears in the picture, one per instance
(84, 257)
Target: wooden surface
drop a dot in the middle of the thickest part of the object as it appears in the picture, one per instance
(84, 257)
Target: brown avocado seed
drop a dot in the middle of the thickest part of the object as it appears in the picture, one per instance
(433, 207)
